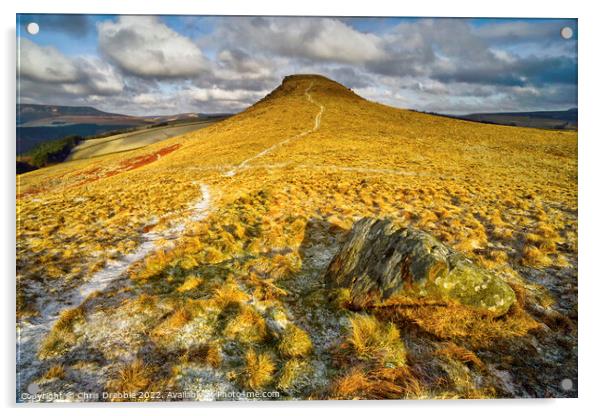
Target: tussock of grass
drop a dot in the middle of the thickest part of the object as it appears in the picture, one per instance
(56, 371)
(205, 354)
(461, 324)
(166, 329)
(372, 339)
(291, 373)
(259, 369)
(295, 342)
(133, 377)
(61, 337)
(384, 383)
(191, 282)
(248, 326)
(533, 256)
(457, 352)
(229, 293)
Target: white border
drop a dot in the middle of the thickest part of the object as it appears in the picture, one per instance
(590, 203)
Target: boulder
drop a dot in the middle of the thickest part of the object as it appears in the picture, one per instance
(381, 264)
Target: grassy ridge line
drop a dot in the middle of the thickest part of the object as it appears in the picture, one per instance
(244, 164)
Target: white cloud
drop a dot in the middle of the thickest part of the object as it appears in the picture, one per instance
(45, 63)
(102, 78)
(44, 69)
(312, 38)
(220, 94)
(146, 47)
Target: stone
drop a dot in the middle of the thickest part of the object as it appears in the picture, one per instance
(380, 263)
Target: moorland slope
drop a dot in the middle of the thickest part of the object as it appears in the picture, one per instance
(197, 264)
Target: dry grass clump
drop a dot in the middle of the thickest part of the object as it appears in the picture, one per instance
(292, 373)
(295, 342)
(61, 336)
(457, 352)
(248, 326)
(56, 371)
(461, 324)
(131, 378)
(372, 339)
(171, 325)
(229, 294)
(259, 369)
(533, 256)
(384, 383)
(191, 283)
(205, 354)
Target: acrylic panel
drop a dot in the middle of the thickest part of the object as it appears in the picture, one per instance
(312, 208)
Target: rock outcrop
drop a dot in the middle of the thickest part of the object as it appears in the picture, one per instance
(380, 263)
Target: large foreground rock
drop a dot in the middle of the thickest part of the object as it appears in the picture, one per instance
(379, 263)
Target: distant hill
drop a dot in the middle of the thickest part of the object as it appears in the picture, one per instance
(28, 113)
(555, 120)
(37, 123)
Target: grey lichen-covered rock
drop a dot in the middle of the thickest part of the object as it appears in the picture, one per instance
(380, 263)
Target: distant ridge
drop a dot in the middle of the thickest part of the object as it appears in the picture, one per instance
(39, 123)
(555, 120)
(31, 112)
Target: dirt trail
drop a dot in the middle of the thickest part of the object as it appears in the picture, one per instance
(317, 122)
(31, 333)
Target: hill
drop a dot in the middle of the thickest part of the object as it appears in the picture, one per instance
(139, 138)
(198, 263)
(556, 120)
(37, 123)
(27, 113)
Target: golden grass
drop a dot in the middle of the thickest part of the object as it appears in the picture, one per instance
(259, 369)
(459, 323)
(248, 326)
(292, 371)
(61, 337)
(56, 371)
(295, 342)
(360, 383)
(457, 352)
(375, 340)
(191, 282)
(205, 354)
(230, 293)
(132, 377)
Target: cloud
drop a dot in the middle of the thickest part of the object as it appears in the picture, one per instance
(531, 70)
(45, 63)
(322, 39)
(44, 71)
(235, 64)
(518, 32)
(219, 94)
(146, 47)
(100, 77)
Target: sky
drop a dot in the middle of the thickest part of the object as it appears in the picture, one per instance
(154, 65)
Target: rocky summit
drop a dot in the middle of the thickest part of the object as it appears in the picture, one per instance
(382, 263)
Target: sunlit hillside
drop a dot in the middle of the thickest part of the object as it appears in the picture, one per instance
(197, 263)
